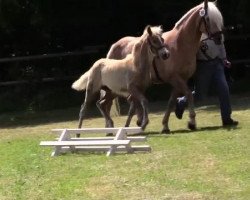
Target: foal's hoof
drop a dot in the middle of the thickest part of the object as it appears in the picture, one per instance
(165, 131)
(144, 124)
(191, 126)
(139, 123)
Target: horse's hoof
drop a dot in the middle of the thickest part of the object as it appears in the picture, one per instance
(191, 126)
(138, 123)
(144, 124)
(165, 131)
(143, 127)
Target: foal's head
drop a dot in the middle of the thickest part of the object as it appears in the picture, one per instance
(156, 42)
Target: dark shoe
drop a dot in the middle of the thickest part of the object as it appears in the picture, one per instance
(230, 122)
(179, 108)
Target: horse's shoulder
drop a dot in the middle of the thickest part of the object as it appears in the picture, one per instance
(170, 36)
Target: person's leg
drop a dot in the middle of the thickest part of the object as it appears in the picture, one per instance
(203, 76)
(223, 94)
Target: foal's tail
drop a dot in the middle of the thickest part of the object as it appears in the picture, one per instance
(81, 83)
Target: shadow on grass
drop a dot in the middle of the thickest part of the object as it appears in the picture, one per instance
(205, 129)
(187, 131)
(32, 118)
(149, 133)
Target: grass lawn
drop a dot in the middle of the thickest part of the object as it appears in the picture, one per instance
(210, 163)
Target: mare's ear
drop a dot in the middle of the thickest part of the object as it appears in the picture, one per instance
(205, 6)
(149, 30)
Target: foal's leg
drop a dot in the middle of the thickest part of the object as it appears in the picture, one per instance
(144, 104)
(170, 106)
(138, 96)
(84, 106)
(139, 113)
(83, 109)
(131, 113)
(104, 105)
(135, 107)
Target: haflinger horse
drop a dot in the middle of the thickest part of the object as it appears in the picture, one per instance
(128, 77)
(183, 43)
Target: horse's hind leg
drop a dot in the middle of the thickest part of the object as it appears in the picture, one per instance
(104, 105)
(84, 106)
(190, 99)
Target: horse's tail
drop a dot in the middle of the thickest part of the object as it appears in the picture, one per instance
(81, 83)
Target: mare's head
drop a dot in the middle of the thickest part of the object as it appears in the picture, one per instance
(212, 20)
(205, 17)
(153, 36)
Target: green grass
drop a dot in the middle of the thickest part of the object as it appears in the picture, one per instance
(210, 163)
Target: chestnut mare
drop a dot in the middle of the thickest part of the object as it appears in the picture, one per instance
(128, 77)
(183, 42)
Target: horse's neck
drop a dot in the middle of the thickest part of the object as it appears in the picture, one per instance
(142, 57)
(189, 32)
(143, 60)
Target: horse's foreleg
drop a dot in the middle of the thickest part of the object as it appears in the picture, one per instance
(139, 113)
(190, 99)
(134, 106)
(170, 106)
(182, 87)
(139, 97)
(104, 105)
(101, 106)
(145, 121)
(131, 113)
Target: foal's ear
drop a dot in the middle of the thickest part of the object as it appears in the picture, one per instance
(149, 30)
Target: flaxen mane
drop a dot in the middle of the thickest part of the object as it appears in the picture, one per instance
(213, 13)
(156, 30)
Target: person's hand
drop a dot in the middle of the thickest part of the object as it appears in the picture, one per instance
(227, 63)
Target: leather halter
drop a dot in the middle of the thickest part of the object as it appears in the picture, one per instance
(156, 71)
(154, 63)
(205, 20)
(156, 48)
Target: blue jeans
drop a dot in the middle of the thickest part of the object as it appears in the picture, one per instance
(211, 73)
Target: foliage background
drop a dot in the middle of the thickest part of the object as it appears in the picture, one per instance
(38, 27)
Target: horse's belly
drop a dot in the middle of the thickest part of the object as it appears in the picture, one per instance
(116, 82)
